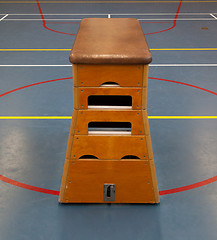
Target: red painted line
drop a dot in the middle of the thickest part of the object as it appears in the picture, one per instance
(34, 84)
(186, 84)
(29, 187)
(72, 34)
(189, 187)
(44, 22)
(174, 22)
(163, 192)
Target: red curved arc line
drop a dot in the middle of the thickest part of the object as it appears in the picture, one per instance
(174, 21)
(189, 187)
(44, 22)
(186, 84)
(29, 187)
(34, 84)
(163, 192)
(72, 34)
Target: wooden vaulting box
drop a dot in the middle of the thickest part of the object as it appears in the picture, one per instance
(109, 156)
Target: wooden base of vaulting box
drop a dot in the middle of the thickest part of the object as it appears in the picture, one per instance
(109, 157)
(84, 179)
(133, 180)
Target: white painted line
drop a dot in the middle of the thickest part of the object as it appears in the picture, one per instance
(151, 65)
(185, 65)
(39, 19)
(109, 15)
(57, 14)
(160, 13)
(79, 14)
(3, 17)
(35, 65)
(178, 19)
(145, 19)
(213, 16)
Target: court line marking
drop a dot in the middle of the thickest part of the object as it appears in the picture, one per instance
(3, 17)
(93, 14)
(112, 2)
(182, 117)
(162, 192)
(151, 65)
(35, 65)
(183, 49)
(213, 16)
(33, 50)
(151, 49)
(142, 19)
(44, 22)
(170, 19)
(70, 117)
(168, 191)
(32, 19)
(185, 65)
(48, 28)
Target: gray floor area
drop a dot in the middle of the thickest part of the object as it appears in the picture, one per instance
(33, 151)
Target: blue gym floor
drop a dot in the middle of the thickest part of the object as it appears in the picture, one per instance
(32, 151)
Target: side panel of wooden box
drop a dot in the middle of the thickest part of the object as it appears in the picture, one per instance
(87, 75)
(82, 93)
(132, 178)
(136, 118)
(110, 147)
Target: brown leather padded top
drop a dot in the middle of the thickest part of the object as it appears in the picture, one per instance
(110, 41)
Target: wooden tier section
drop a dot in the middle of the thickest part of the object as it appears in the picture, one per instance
(109, 156)
(133, 180)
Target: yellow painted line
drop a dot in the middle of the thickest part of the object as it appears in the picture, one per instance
(66, 50)
(69, 117)
(32, 50)
(184, 49)
(182, 117)
(202, 1)
(34, 117)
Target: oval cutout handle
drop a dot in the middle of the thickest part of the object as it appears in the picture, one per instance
(109, 84)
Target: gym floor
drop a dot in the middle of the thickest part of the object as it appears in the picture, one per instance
(36, 107)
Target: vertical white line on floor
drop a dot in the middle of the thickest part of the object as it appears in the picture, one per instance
(3, 17)
(213, 16)
(109, 15)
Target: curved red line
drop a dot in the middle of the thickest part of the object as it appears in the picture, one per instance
(189, 187)
(174, 21)
(34, 84)
(72, 34)
(163, 192)
(29, 187)
(186, 84)
(44, 22)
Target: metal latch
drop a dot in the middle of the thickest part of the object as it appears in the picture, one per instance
(109, 192)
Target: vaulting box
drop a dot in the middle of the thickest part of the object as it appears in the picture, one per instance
(109, 156)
